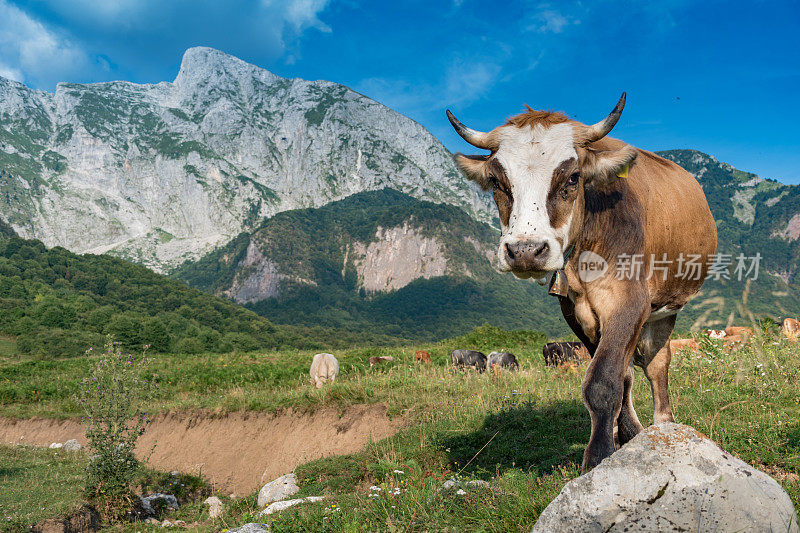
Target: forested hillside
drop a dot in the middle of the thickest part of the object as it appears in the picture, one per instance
(341, 266)
(56, 303)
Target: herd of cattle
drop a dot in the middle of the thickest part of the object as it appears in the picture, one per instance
(325, 366)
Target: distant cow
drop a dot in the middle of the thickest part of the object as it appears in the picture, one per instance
(791, 328)
(738, 330)
(469, 358)
(556, 353)
(675, 345)
(422, 356)
(715, 333)
(734, 340)
(382, 359)
(324, 368)
(498, 360)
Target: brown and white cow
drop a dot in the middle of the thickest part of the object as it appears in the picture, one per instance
(568, 197)
(791, 328)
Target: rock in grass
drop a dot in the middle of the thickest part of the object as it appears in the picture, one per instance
(251, 528)
(278, 489)
(472, 483)
(670, 477)
(155, 504)
(285, 504)
(72, 445)
(215, 506)
(56, 445)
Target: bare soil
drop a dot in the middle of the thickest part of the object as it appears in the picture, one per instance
(237, 452)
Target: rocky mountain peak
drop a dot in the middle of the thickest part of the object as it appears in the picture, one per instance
(160, 173)
(202, 65)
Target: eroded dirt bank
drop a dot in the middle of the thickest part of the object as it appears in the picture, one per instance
(236, 451)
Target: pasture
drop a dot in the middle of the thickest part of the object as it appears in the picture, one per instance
(523, 432)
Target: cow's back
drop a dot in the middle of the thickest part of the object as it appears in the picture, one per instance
(677, 222)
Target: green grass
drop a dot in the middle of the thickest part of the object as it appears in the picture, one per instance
(36, 484)
(8, 346)
(525, 432)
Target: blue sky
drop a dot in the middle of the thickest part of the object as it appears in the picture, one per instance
(721, 77)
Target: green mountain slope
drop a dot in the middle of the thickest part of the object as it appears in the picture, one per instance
(56, 303)
(315, 267)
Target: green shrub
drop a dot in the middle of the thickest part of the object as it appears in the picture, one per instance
(113, 398)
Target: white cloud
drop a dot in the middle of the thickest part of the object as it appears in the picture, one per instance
(32, 53)
(546, 19)
(11, 73)
(462, 83)
(302, 14)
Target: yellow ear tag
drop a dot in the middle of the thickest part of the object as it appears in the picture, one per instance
(623, 172)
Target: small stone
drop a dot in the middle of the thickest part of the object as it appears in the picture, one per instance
(167, 523)
(461, 492)
(278, 489)
(251, 528)
(149, 505)
(72, 445)
(285, 504)
(215, 506)
(56, 445)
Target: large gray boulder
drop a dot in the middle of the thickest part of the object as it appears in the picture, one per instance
(670, 477)
(278, 489)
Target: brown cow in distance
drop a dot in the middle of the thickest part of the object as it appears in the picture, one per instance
(715, 333)
(791, 328)
(738, 330)
(616, 227)
(676, 345)
(422, 356)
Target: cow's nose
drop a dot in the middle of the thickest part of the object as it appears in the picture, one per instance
(527, 254)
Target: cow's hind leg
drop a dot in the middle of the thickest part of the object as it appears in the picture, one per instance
(653, 355)
(628, 425)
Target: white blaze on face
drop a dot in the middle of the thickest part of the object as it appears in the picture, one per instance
(529, 157)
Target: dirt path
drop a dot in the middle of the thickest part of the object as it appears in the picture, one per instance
(236, 451)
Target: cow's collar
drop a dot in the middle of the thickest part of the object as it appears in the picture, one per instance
(559, 283)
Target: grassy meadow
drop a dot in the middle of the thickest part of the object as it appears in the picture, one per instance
(524, 432)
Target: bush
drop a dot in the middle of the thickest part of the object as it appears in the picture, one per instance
(113, 397)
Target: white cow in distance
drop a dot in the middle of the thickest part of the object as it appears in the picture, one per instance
(324, 368)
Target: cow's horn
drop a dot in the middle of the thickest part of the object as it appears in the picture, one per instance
(479, 139)
(602, 128)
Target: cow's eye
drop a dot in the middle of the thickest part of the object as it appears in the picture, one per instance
(573, 179)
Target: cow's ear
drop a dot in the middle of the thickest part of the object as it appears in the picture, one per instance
(474, 168)
(605, 167)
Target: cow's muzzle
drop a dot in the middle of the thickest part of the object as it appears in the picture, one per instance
(527, 255)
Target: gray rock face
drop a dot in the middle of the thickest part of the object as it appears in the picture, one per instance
(670, 478)
(278, 489)
(161, 173)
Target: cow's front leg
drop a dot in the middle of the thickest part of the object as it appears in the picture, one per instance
(603, 385)
(628, 425)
